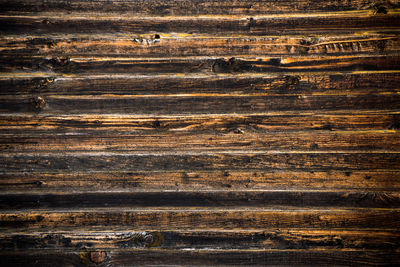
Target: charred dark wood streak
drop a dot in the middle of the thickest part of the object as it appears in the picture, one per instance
(89, 162)
(191, 199)
(202, 218)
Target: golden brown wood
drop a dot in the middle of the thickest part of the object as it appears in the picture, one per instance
(206, 132)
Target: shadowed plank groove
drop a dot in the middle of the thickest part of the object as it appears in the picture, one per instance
(81, 239)
(201, 180)
(198, 198)
(346, 22)
(200, 218)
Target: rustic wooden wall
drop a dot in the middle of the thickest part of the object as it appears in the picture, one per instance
(206, 132)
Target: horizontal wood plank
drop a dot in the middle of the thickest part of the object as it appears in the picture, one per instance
(193, 104)
(156, 45)
(97, 124)
(201, 199)
(82, 239)
(102, 65)
(268, 84)
(200, 218)
(236, 139)
(223, 26)
(369, 181)
(145, 257)
(180, 161)
(187, 7)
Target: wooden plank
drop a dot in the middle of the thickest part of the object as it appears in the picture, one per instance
(282, 84)
(206, 161)
(103, 65)
(156, 45)
(365, 181)
(237, 139)
(199, 198)
(200, 218)
(187, 7)
(97, 124)
(193, 104)
(145, 257)
(347, 22)
(80, 239)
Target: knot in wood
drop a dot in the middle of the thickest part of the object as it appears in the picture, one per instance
(98, 256)
(39, 103)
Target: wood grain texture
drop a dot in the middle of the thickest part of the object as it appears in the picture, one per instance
(212, 257)
(82, 239)
(197, 161)
(223, 26)
(370, 82)
(201, 198)
(225, 123)
(365, 181)
(236, 139)
(186, 7)
(195, 133)
(192, 104)
(156, 45)
(202, 65)
(160, 218)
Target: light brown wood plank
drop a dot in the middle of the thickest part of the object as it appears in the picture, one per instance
(156, 45)
(364, 181)
(97, 124)
(200, 218)
(236, 139)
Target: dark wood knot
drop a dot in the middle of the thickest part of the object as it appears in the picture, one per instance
(97, 256)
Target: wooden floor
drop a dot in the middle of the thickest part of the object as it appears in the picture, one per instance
(208, 132)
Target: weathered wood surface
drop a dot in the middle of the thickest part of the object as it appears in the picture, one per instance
(201, 257)
(206, 132)
(201, 239)
(123, 181)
